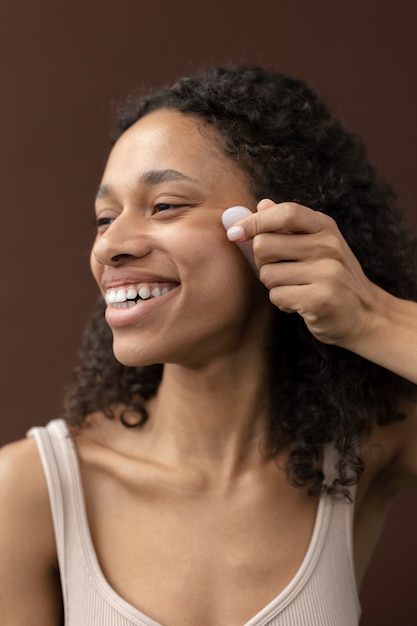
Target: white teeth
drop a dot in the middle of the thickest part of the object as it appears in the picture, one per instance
(124, 298)
(111, 297)
(121, 295)
(144, 293)
(131, 293)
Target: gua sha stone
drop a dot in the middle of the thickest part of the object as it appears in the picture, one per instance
(230, 217)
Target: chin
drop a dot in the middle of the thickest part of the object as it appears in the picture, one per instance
(134, 361)
(133, 357)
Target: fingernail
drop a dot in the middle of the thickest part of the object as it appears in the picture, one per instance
(235, 233)
(264, 203)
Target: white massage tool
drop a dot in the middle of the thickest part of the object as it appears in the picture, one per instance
(230, 217)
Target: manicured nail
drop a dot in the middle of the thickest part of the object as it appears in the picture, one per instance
(235, 233)
(264, 204)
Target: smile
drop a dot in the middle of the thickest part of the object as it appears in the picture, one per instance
(127, 297)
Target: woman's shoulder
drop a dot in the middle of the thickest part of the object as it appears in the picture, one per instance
(28, 567)
(26, 522)
(20, 466)
(23, 489)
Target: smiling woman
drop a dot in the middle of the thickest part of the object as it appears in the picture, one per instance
(236, 436)
(165, 194)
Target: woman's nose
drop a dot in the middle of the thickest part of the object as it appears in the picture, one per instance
(126, 236)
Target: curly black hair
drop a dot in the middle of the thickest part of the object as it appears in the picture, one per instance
(292, 148)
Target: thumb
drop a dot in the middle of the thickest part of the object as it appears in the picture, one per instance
(245, 227)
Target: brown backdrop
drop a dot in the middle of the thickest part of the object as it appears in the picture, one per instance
(63, 62)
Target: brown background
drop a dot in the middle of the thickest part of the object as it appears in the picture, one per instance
(61, 63)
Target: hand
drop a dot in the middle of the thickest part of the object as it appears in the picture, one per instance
(308, 268)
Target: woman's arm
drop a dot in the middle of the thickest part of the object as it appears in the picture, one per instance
(309, 269)
(389, 338)
(29, 581)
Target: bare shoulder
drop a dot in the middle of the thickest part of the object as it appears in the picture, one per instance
(19, 457)
(29, 590)
(22, 480)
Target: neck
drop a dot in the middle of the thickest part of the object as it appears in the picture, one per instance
(214, 416)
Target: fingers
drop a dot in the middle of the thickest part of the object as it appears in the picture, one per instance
(279, 274)
(275, 247)
(283, 217)
(308, 268)
(288, 232)
(325, 272)
(313, 302)
(272, 247)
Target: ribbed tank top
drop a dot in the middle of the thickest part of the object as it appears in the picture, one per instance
(322, 593)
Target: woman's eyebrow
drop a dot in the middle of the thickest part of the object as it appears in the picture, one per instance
(152, 177)
(103, 191)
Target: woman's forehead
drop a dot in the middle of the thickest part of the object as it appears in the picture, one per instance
(169, 139)
(169, 124)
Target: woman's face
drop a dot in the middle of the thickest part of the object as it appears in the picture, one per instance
(160, 237)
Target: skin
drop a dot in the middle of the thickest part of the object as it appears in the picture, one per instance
(193, 486)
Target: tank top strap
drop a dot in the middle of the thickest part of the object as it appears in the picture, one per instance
(56, 449)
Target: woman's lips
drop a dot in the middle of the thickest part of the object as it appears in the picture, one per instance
(115, 278)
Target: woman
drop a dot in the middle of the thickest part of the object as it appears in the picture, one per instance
(219, 462)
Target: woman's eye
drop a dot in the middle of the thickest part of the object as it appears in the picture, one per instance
(101, 222)
(165, 206)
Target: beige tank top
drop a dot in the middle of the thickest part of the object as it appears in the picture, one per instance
(322, 593)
